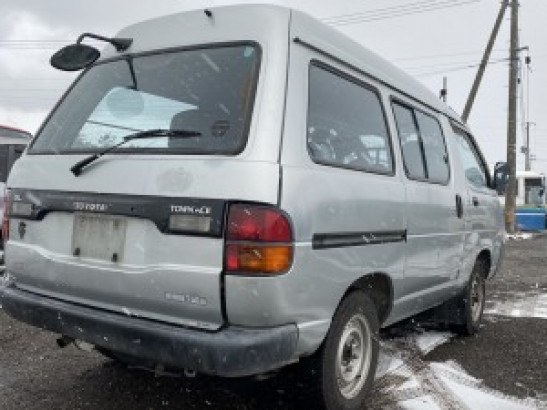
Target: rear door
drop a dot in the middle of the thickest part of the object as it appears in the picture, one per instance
(140, 231)
(158, 255)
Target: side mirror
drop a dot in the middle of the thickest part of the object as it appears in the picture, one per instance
(74, 57)
(500, 178)
(77, 56)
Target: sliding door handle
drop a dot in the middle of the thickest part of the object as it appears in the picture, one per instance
(459, 206)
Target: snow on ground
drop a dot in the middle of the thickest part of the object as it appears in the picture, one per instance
(406, 381)
(520, 305)
(519, 236)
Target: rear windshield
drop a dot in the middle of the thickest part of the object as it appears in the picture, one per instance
(208, 90)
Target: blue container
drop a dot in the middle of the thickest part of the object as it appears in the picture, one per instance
(530, 219)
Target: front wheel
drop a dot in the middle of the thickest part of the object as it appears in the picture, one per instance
(348, 358)
(473, 301)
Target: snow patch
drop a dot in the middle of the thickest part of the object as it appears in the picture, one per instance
(533, 306)
(406, 381)
(519, 236)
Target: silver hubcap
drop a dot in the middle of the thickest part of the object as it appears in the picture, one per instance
(354, 356)
(477, 298)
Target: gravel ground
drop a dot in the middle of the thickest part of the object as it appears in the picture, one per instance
(509, 354)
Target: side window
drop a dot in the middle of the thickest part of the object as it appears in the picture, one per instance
(346, 124)
(423, 145)
(410, 142)
(436, 156)
(473, 167)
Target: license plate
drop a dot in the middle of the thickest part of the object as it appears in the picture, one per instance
(98, 237)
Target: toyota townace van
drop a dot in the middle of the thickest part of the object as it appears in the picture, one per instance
(232, 190)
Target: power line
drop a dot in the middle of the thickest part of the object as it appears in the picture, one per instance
(501, 60)
(453, 66)
(35, 44)
(350, 15)
(388, 10)
(448, 65)
(396, 11)
(33, 41)
(342, 19)
(432, 56)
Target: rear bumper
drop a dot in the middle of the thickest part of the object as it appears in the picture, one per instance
(230, 352)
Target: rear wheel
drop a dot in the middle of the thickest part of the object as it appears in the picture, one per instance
(346, 363)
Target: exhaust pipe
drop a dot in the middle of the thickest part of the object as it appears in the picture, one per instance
(64, 341)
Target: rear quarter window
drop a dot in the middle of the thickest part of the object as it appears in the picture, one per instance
(346, 124)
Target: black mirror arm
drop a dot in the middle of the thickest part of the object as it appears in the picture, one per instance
(120, 44)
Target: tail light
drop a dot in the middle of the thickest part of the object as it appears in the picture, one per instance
(5, 218)
(259, 240)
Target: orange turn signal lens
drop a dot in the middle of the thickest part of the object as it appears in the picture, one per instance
(258, 258)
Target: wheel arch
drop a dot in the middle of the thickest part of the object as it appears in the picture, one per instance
(380, 288)
(485, 257)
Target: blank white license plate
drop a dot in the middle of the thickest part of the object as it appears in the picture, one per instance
(98, 237)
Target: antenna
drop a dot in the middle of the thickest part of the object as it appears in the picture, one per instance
(443, 95)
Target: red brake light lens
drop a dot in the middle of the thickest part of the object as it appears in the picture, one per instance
(252, 223)
(258, 240)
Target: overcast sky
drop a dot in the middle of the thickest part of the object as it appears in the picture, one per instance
(427, 38)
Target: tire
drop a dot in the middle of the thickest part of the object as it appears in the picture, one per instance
(344, 381)
(472, 301)
(462, 314)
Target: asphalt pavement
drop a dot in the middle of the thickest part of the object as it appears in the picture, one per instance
(509, 355)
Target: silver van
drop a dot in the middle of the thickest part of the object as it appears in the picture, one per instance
(232, 190)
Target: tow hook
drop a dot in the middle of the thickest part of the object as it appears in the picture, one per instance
(64, 341)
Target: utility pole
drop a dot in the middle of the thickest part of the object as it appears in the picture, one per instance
(484, 62)
(510, 193)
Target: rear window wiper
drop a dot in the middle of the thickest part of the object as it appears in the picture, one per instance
(78, 167)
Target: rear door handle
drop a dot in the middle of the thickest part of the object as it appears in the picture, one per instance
(459, 206)
(475, 201)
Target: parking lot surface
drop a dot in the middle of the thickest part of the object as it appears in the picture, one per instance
(505, 365)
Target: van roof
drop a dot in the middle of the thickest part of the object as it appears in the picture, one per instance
(169, 31)
(356, 54)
